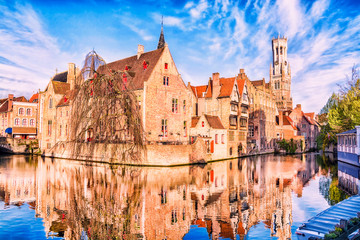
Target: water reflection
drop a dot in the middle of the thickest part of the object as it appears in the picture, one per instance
(236, 199)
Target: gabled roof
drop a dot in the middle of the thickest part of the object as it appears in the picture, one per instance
(137, 66)
(60, 77)
(4, 106)
(287, 121)
(227, 85)
(194, 121)
(258, 82)
(34, 98)
(20, 99)
(209, 90)
(241, 84)
(199, 90)
(214, 122)
(60, 87)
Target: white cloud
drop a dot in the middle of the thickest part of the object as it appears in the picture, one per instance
(31, 54)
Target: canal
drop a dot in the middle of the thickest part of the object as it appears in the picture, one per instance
(262, 197)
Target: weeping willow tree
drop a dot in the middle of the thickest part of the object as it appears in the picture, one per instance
(105, 115)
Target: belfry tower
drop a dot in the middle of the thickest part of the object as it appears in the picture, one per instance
(280, 74)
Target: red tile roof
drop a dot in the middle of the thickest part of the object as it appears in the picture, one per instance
(199, 90)
(20, 99)
(4, 107)
(67, 98)
(240, 83)
(227, 85)
(258, 82)
(214, 122)
(194, 121)
(209, 91)
(34, 97)
(137, 67)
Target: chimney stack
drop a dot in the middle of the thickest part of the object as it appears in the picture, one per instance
(10, 99)
(281, 118)
(298, 106)
(71, 75)
(140, 50)
(216, 79)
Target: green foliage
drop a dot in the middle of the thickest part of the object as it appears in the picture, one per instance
(330, 236)
(326, 137)
(344, 110)
(288, 146)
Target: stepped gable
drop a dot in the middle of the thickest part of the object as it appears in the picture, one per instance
(227, 85)
(214, 122)
(136, 66)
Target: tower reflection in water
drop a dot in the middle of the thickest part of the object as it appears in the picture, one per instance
(218, 200)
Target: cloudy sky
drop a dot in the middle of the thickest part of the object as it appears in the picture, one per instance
(38, 38)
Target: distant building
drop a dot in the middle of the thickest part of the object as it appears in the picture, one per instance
(228, 99)
(349, 146)
(280, 74)
(18, 117)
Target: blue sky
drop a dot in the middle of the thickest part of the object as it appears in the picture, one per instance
(38, 37)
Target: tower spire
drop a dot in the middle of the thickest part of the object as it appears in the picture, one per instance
(161, 43)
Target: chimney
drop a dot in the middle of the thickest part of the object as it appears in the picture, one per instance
(10, 104)
(298, 106)
(216, 79)
(71, 75)
(140, 50)
(281, 118)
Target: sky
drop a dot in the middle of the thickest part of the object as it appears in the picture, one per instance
(39, 38)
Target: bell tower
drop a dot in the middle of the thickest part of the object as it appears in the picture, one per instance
(280, 74)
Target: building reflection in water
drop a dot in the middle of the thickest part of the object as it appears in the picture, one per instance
(224, 199)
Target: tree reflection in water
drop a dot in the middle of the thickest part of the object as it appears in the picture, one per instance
(223, 199)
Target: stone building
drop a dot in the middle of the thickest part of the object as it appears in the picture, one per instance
(18, 117)
(263, 109)
(306, 126)
(52, 127)
(280, 74)
(228, 99)
(213, 132)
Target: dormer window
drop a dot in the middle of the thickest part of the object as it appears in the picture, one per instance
(145, 65)
(166, 66)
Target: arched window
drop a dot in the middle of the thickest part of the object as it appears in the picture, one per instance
(32, 122)
(281, 50)
(21, 111)
(50, 102)
(24, 122)
(17, 121)
(28, 111)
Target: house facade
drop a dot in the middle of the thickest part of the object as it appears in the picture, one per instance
(349, 146)
(18, 117)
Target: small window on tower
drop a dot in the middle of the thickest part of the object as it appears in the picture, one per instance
(281, 50)
(166, 66)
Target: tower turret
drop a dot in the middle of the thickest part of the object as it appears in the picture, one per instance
(161, 43)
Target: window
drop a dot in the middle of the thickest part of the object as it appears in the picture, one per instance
(24, 122)
(207, 144)
(242, 136)
(222, 138)
(202, 124)
(32, 122)
(49, 127)
(28, 111)
(231, 136)
(164, 131)
(184, 106)
(185, 129)
(166, 81)
(304, 126)
(230, 151)
(50, 102)
(216, 139)
(244, 110)
(17, 121)
(243, 122)
(174, 105)
(145, 65)
(233, 121)
(166, 66)
(251, 130)
(60, 130)
(281, 50)
(234, 107)
(21, 111)
(67, 113)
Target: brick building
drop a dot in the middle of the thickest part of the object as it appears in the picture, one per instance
(228, 99)
(280, 74)
(18, 117)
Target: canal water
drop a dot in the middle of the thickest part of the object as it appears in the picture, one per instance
(263, 197)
